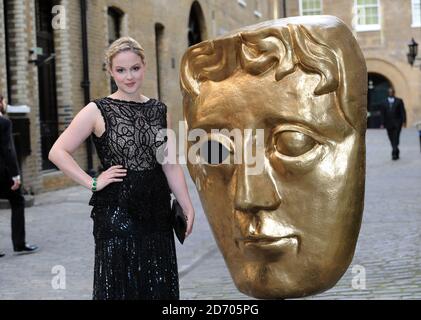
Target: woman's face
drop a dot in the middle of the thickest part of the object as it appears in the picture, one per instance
(128, 71)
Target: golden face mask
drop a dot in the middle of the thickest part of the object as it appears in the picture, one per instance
(291, 229)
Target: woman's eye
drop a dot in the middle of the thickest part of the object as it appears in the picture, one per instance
(213, 152)
(293, 143)
(119, 70)
(136, 68)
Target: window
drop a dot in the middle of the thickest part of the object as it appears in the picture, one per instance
(159, 48)
(114, 32)
(368, 16)
(114, 24)
(416, 13)
(310, 7)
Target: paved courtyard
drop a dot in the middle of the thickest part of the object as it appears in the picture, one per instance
(388, 250)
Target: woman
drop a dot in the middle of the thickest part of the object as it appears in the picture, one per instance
(135, 254)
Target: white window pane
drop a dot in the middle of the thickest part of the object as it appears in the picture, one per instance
(311, 7)
(361, 13)
(416, 12)
(370, 11)
(367, 3)
(371, 20)
(317, 4)
(367, 12)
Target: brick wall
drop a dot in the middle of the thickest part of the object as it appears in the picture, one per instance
(385, 50)
(24, 81)
(138, 21)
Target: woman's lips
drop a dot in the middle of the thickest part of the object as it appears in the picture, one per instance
(130, 84)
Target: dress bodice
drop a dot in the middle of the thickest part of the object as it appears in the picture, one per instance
(133, 139)
(132, 134)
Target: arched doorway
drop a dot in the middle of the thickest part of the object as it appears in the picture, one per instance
(378, 86)
(196, 27)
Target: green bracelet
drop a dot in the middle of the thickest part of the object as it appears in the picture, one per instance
(93, 184)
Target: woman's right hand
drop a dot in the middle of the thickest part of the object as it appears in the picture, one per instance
(112, 174)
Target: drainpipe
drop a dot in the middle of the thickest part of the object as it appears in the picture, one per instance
(85, 84)
(284, 7)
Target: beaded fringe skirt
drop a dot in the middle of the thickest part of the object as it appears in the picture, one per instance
(130, 268)
(135, 253)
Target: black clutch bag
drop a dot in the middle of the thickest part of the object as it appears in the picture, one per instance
(179, 221)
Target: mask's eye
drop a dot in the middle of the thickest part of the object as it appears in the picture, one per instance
(216, 149)
(293, 143)
(214, 152)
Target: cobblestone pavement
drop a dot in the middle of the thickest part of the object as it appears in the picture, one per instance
(389, 246)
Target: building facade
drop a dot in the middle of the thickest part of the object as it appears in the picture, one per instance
(51, 60)
(383, 29)
(51, 57)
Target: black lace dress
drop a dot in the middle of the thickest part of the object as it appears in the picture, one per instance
(135, 255)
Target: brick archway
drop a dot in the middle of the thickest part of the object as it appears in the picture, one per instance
(397, 78)
(378, 86)
(391, 72)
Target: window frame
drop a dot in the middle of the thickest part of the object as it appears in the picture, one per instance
(300, 5)
(367, 27)
(415, 25)
(117, 16)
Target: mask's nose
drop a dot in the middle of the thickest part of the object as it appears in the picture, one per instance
(255, 192)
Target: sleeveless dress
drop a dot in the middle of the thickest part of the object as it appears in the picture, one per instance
(135, 256)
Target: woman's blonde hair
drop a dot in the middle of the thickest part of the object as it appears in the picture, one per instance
(120, 45)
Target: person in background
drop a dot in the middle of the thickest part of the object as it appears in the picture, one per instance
(393, 117)
(10, 184)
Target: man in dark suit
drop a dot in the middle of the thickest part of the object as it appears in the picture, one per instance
(10, 184)
(393, 117)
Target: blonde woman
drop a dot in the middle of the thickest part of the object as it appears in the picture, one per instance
(135, 254)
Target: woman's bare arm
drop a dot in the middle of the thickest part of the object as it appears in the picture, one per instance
(177, 182)
(78, 131)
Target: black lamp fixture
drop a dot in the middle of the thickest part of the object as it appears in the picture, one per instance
(413, 52)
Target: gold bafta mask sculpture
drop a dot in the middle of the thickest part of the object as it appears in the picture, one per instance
(291, 229)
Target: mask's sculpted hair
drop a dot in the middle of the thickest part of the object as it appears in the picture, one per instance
(309, 44)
